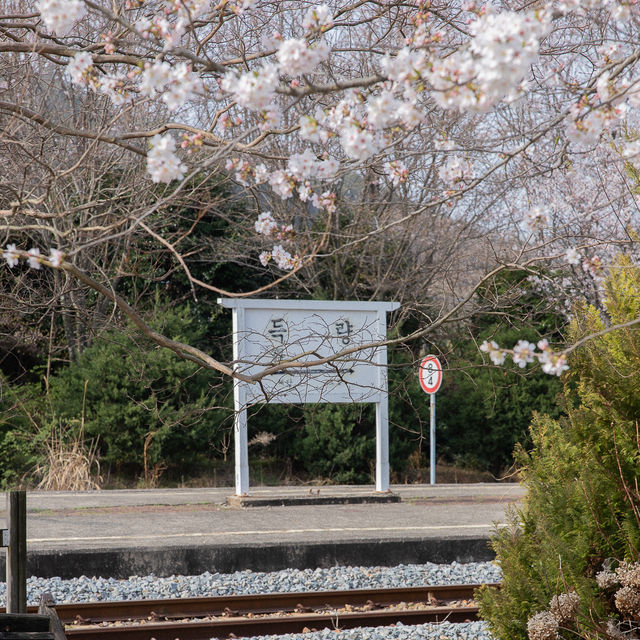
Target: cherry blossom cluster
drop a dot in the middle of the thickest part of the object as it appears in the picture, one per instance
(593, 115)
(170, 32)
(538, 218)
(585, 124)
(305, 165)
(502, 48)
(60, 15)
(501, 51)
(456, 169)
(163, 164)
(254, 90)
(297, 56)
(396, 171)
(524, 352)
(283, 259)
(317, 19)
(301, 169)
(12, 256)
(266, 225)
(177, 84)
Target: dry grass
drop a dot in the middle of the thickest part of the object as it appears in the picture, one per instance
(70, 464)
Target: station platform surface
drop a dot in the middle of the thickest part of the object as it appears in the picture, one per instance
(170, 531)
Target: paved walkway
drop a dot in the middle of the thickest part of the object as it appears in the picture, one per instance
(72, 523)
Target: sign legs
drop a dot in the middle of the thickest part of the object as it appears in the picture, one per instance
(382, 444)
(241, 447)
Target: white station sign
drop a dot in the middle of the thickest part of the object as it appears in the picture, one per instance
(430, 374)
(282, 336)
(297, 345)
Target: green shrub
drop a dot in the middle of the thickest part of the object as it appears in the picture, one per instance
(339, 443)
(147, 409)
(582, 509)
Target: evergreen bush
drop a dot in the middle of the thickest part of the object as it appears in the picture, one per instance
(148, 410)
(581, 514)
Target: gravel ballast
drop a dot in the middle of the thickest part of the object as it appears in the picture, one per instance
(87, 589)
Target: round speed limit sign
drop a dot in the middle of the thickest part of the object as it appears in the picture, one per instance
(430, 374)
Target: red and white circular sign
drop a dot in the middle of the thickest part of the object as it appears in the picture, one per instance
(430, 374)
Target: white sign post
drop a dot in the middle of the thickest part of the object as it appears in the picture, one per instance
(430, 375)
(293, 333)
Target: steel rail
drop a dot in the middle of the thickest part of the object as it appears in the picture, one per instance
(292, 623)
(273, 613)
(180, 608)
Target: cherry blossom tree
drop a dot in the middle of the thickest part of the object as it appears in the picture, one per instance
(469, 137)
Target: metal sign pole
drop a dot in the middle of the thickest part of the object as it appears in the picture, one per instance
(430, 376)
(432, 438)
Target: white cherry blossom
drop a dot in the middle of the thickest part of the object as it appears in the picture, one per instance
(494, 352)
(281, 183)
(34, 258)
(283, 258)
(260, 173)
(10, 256)
(408, 64)
(264, 258)
(382, 110)
(554, 364)
(302, 165)
(572, 256)
(311, 130)
(297, 56)
(184, 85)
(155, 77)
(253, 89)
(506, 45)
(456, 169)
(523, 353)
(163, 164)
(60, 15)
(358, 144)
(265, 224)
(79, 67)
(56, 257)
(327, 169)
(114, 87)
(409, 114)
(317, 18)
(396, 171)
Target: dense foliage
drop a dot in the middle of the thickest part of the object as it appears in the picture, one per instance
(582, 511)
(156, 418)
(147, 410)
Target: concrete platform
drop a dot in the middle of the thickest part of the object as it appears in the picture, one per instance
(172, 531)
(311, 499)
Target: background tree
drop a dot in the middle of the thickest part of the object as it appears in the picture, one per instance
(412, 151)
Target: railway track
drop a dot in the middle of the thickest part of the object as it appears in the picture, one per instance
(276, 613)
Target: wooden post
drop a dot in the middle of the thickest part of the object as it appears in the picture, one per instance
(17, 552)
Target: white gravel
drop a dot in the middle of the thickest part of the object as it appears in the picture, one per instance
(86, 589)
(444, 631)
